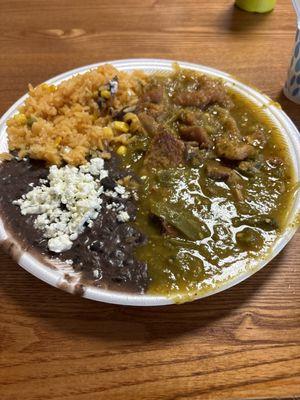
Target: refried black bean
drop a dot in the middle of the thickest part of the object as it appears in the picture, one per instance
(103, 253)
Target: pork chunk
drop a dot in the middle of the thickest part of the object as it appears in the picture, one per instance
(216, 171)
(257, 138)
(153, 95)
(148, 123)
(210, 93)
(234, 149)
(196, 134)
(165, 151)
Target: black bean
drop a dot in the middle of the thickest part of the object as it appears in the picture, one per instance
(118, 279)
(97, 246)
(108, 183)
(101, 102)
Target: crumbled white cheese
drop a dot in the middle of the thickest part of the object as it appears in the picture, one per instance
(94, 167)
(59, 244)
(103, 174)
(111, 193)
(120, 189)
(123, 216)
(70, 201)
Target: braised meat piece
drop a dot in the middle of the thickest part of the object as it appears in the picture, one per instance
(250, 168)
(190, 117)
(216, 171)
(165, 151)
(191, 99)
(196, 134)
(153, 95)
(153, 104)
(219, 172)
(258, 138)
(230, 125)
(232, 145)
(210, 93)
(233, 148)
(148, 123)
(196, 156)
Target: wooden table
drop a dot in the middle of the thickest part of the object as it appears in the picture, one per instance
(243, 343)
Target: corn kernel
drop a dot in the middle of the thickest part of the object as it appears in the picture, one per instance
(21, 118)
(105, 94)
(107, 132)
(130, 117)
(121, 126)
(122, 150)
(58, 140)
(49, 88)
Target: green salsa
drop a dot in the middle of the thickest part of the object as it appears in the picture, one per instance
(223, 206)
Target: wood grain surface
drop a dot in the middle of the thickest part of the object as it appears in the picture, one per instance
(240, 344)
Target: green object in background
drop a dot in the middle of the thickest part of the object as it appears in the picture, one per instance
(260, 6)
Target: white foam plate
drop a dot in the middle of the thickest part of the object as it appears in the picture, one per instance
(55, 276)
